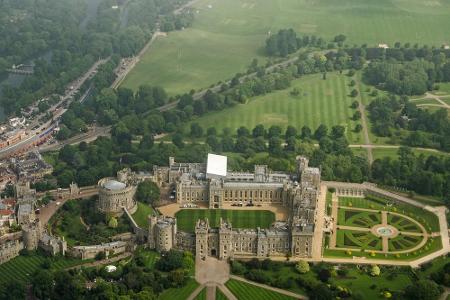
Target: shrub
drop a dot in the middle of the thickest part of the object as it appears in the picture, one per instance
(302, 267)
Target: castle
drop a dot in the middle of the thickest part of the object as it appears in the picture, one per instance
(211, 184)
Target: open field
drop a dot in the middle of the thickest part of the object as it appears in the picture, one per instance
(320, 102)
(224, 38)
(140, 216)
(245, 291)
(21, 268)
(187, 218)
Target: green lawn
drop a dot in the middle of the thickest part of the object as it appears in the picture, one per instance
(245, 291)
(225, 37)
(141, 215)
(320, 102)
(444, 88)
(357, 240)
(202, 295)
(357, 218)
(187, 218)
(179, 293)
(21, 268)
(425, 101)
(359, 281)
(220, 295)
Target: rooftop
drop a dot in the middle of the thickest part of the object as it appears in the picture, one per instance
(217, 165)
(114, 185)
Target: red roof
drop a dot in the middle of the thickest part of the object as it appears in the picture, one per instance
(6, 212)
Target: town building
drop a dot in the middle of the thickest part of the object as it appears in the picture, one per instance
(31, 167)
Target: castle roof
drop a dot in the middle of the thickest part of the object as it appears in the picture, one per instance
(114, 185)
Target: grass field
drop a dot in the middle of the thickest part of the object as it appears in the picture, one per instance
(220, 295)
(245, 291)
(202, 295)
(21, 268)
(225, 37)
(321, 102)
(179, 293)
(187, 218)
(140, 216)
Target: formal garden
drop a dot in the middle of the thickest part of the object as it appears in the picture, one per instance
(373, 227)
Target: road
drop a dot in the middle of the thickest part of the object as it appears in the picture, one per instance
(87, 137)
(48, 211)
(36, 135)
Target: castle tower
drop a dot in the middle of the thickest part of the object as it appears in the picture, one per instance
(261, 173)
(215, 193)
(262, 244)
(151, 231)
(201, 238)
(225, 240)
(302, 164)
(31, 234)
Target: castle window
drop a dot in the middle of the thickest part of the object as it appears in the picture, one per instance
(260, 194)
(245, 194)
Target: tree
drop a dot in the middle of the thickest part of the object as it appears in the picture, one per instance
(291, 131)
(302, 267)
(375, 271)
(356, 115)
(320, 132)
(188, 261)
(42, 284)
(177, 277)
(147, 192)
(355, 104)
(324, 274)
(243, 132)
(196, 130)
(423, 290)
(13, 290)
(354, 93)
(337, 131)
(113, 223)
(358, 128)
(321, 292)
(258, 131)
(177, 140)
(306, 133)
